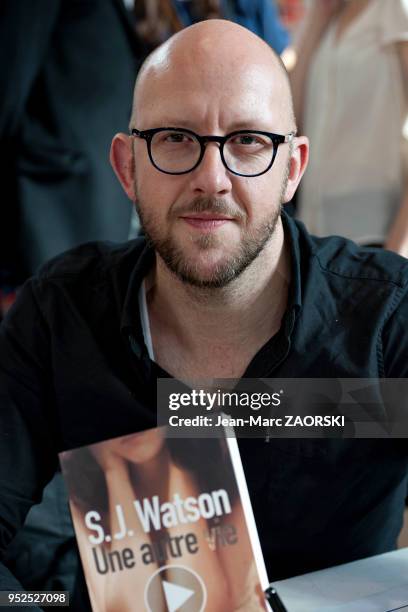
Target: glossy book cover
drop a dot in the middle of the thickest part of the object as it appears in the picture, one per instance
(165, 525)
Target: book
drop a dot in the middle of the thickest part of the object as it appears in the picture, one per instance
(165, 525)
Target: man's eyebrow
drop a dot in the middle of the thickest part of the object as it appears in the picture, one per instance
(172, 122)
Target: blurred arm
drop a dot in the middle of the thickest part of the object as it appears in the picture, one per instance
(309, 36)
(397, 239)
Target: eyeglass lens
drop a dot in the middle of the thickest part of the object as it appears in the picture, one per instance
(245, 153)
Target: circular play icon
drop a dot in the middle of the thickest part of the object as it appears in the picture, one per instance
(182, 589)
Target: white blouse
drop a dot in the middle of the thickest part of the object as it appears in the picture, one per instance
(354, 114)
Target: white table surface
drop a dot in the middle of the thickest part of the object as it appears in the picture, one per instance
(376, 584)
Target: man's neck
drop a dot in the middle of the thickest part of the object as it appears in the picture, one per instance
(238, 318)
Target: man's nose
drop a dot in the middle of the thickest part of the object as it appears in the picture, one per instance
(211, 176)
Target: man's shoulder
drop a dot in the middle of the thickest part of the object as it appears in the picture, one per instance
(92, 261)
(341, 258)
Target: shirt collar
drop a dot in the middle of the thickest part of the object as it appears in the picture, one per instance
(130, 326)
(293, 237)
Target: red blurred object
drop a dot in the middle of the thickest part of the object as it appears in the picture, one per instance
(291, 11)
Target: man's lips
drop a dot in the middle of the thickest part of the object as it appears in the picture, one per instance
(206, 221)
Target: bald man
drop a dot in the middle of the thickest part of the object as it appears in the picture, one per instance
(223, 285)
(215, 227)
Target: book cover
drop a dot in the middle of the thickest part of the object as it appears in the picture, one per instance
(165, 525)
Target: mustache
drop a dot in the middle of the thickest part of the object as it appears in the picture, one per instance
(210, 205)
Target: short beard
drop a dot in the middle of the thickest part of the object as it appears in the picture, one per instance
(173, 256)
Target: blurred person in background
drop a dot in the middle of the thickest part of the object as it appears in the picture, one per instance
(66, 75)
(261, 17)
(350, 90)
(156, 20)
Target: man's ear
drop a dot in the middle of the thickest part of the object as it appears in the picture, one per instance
(297, 166)
(121, 158)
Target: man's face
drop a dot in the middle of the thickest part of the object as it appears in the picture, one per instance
(209, 225)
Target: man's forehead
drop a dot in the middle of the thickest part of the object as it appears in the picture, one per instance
(247, 93)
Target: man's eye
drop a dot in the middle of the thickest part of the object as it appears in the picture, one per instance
(177, 137)
(247, 139)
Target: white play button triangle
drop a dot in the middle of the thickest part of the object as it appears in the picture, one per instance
(181, 586)
(175, 595)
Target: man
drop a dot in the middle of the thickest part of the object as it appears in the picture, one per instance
(232, 287)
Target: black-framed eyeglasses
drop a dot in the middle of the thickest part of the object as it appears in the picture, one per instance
(244, 152)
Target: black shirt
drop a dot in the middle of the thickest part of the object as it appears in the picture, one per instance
(74, 370)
